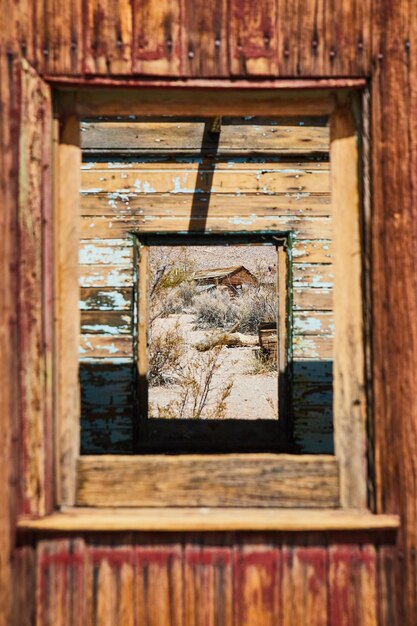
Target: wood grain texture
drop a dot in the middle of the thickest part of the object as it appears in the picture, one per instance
(9, 393)
(214, 480)
(18, 24)
(129, 203)
(59, 36)
(394, 225)
(258, 578)
(312, 39)
(172, 186)
(204, 36)
(67, 319)
(35, 291)
(197, 101)
(349, 364)
(24, 583)
(157, 37)
(352, 588)
(60, 583)
(208, 583)
(108, 37)
(392, 73)
(106, 299)
(304, 585)
(110, 583)
(257, 584)
(110, 227)
(237, 136)
(160, 584)
(253, 38)
(186, 178)
(198, 519)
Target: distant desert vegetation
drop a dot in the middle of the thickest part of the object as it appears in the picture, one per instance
(205, 359)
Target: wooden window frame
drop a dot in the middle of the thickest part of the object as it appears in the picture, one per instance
(260, 480)
(233, 435)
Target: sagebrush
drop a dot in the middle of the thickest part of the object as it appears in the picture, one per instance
(198, 397)
(166, 350)
(244, 312)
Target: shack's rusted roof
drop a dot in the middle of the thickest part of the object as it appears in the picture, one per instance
(218, 273)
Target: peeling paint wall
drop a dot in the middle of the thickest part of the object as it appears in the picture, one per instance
(258, 175)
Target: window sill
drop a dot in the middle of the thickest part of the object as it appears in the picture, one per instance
(209, 519)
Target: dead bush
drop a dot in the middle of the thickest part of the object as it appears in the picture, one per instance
(165, 351)
(263, 362)
(245, 312)
(215, 310)
(198, 397)
(256, 305)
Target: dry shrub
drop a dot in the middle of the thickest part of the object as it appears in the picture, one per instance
(165, 351)
(256, 305)
(215, 310)
(263, 362)
(198, 398)
(179, 272)
(246, 311)
(175, 300)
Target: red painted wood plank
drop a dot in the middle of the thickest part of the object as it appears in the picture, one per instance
(109, 37)
(390, 611)
(208, 584)
(352, 585)
(60, 45)
(110, 583)
(253, 38)
(61, 587)
(304, 583)
(257, 584)
(156, 37)
(159, 585)
(204, 35)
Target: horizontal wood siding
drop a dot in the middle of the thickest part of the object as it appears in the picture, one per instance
(106, 345)
(266, 175)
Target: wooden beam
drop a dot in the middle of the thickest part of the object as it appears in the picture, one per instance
(93, 102)
(141, 355)
(35, 291)
(349, 368)
(264, 480)
(67, 80)
(207, 519)
(67, 316)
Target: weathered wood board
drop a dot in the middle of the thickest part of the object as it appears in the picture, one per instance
(187, 480)
(238, 136)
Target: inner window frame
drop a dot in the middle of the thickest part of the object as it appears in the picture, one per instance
(350, 405)
(232, 435)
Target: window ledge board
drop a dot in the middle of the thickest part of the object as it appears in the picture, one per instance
(208, 519)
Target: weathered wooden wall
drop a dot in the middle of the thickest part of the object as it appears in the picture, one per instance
(376, 39)
(265, 175)
(205, 580)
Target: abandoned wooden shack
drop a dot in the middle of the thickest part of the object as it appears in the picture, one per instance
(230, 278)
(120, 536)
